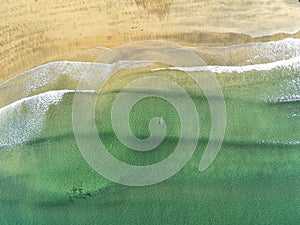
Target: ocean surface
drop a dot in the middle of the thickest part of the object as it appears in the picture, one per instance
(254, 179)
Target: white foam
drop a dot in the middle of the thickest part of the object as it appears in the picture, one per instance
(272, 50)
(295, 115)
(49, 73)
(252, 53)
(285, 98)
(280, 142)
(23, 120)
(289, 90)
(293, 63)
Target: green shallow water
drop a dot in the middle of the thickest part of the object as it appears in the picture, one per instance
(255, 178)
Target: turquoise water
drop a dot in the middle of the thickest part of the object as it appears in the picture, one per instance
(254, 179)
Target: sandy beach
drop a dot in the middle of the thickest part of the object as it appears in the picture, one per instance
(38, 31)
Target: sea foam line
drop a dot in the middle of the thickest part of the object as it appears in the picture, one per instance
(293, 63)
(23, 120)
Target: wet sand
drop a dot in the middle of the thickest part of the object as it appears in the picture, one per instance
(36, 31)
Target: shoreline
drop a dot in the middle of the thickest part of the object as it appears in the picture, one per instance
(16, 59)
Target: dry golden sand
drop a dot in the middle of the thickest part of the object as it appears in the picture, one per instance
(34, 32)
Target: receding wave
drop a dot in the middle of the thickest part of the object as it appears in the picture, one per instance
(293, 63)
(249, 54)
(22, 115)
(49, 74)
(23, 120)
